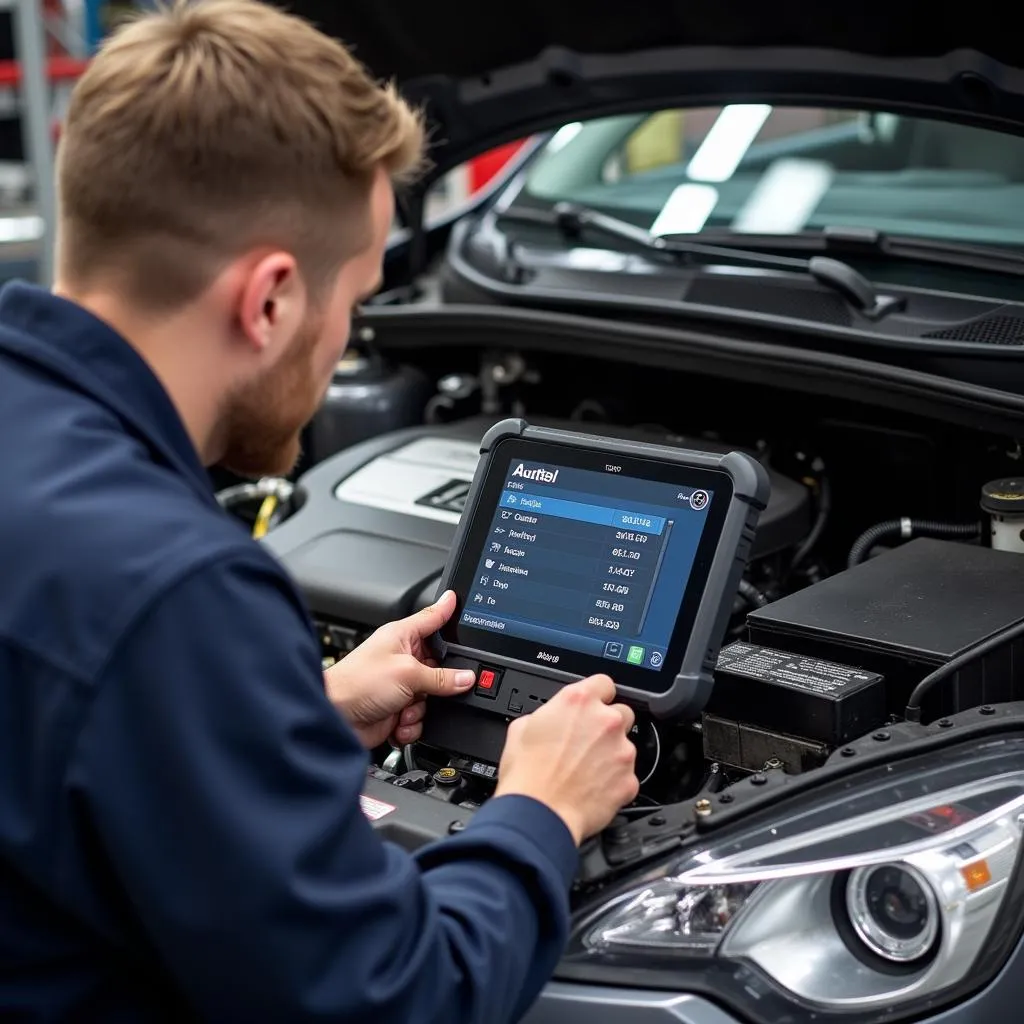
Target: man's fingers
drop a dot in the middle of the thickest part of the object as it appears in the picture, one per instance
(412, 714)
(407, 734)
(628, 716)
(409, 727)
(601, 686)
(439, 682)
(430, 619)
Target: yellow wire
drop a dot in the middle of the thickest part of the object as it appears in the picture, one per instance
(262, 523)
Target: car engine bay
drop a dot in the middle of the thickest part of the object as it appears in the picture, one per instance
(877, 562)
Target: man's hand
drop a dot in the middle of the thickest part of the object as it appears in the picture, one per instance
(380, 687)
(573, 754)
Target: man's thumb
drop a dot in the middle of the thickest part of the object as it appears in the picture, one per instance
(441, 682)
(430, 619)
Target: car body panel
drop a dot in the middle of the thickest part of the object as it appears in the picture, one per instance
(545, 66)
(562, 1003)
(571, 1003)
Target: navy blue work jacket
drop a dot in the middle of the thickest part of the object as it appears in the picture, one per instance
(180, 828)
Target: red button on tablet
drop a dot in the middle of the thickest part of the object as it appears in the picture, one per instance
(487, 683)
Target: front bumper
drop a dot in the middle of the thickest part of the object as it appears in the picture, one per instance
(570, 1003)
(562, 1003)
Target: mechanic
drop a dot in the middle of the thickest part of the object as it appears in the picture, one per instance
(180, 826)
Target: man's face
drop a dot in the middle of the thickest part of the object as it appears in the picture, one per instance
(265, 419)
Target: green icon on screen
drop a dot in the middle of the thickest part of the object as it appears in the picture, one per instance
(635, 656)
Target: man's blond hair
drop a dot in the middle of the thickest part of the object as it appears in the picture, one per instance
(205, 130)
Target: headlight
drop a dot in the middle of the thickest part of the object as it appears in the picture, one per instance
(877, 896)
(894, 911)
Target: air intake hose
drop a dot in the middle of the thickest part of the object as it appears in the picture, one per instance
(906, 529)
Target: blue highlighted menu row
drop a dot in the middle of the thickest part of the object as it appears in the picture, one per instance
(599, 515)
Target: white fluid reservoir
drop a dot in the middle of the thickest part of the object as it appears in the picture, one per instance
(1003, 502)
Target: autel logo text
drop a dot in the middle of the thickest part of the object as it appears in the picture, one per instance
(545, 476)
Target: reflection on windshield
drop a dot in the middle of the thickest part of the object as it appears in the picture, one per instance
(754, 168)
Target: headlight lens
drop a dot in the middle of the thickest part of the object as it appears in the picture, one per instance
(668, 915)
(875, 896)
(894, 911)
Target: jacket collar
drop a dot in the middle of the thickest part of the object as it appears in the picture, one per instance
(41, 328)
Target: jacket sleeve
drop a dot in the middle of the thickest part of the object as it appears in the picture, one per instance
(224, 790)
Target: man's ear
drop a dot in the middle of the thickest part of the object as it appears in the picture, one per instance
(272, 302)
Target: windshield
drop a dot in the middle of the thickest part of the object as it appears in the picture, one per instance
(760, 169)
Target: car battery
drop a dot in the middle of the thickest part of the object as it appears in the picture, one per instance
(796, 695)
(907, 612)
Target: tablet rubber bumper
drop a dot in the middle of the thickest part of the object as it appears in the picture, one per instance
(710, 608)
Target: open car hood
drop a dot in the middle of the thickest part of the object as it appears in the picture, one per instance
(489, 74)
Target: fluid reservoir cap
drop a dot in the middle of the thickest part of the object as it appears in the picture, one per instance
(358, 367)
(1004, 497)
(351, 363)
(447, 776)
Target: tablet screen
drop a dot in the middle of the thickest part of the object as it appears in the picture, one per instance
(588, 563)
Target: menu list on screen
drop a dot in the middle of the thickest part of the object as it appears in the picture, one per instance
(587, 561)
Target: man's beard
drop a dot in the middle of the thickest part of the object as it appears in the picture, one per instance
(265, 418)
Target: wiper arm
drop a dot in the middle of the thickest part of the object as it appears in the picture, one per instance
(571, 219)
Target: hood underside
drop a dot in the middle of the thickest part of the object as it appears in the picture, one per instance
(488, 75)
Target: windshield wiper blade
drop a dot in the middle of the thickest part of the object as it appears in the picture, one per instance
(868, 242)
(571, 219)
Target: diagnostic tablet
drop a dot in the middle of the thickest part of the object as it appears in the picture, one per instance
(579, 554)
